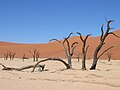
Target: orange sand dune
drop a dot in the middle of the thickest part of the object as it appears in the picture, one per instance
(54, 49)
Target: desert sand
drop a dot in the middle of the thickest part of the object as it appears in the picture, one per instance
(55, 77)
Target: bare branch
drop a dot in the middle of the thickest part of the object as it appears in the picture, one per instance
(105, 51)
(73, 48)
(69, 35)
(51, 59)
(87, 49)
(55, 40)
(80, 36)
(3, 65)
(102, 32)
(106, 19)
(62, 43)
(114, 34)
(22, 68)
(67, 49)
(110, 21)
(87, 37)
(68, 44)
(74, 44)
(108, 25)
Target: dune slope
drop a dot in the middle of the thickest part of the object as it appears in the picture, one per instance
(54, 49)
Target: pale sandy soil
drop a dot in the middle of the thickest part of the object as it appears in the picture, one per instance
(106, 77)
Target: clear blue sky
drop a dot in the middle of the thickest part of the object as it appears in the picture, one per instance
(38, 21)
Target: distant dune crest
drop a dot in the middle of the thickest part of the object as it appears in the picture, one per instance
(53, 49)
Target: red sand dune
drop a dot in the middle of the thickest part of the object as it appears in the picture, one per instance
(54, 49)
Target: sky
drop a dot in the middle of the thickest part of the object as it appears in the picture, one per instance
(38, 21)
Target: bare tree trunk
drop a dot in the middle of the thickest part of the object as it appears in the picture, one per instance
(5, 56)
(34, 59)
(69, 62)
(13, 56)
(23, 57)
(83, 62)
(84, 50)
(94, 64)
(102, 42)
(95, 58)
(109, 58)
(10, 57)
(37, 56)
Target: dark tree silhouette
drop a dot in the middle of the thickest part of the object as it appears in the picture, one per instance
(13, 55)
(69, 50)
(102, 42)
(6, 55)
(84, 49)
(109, 55)
(77, 56)
(35, 54)
(51, 59)
(41, 67)
(37, 65)
(9, 54)
(24, 57)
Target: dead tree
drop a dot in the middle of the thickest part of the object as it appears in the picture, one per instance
(10, 55)
(35, 54)
(23, 57)
(13, 55)
(102, 42)
(41, 67)
(37, 65)
(6, 55)
(51, 59)
(109, 55)
(84, 49)
(69, 50)
(77, 56)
